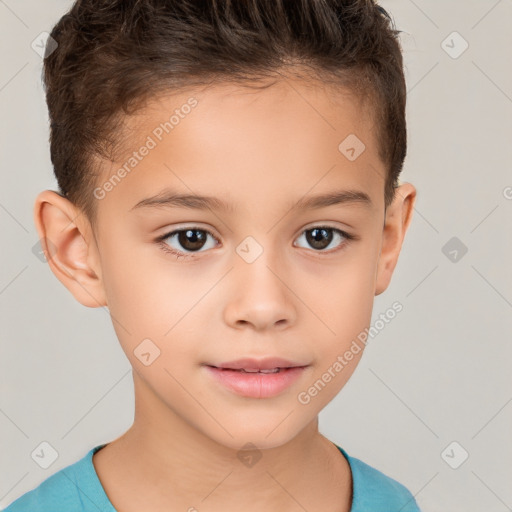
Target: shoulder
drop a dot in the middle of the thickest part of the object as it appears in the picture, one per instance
(55, 493)
(376, 492)
(69, 490)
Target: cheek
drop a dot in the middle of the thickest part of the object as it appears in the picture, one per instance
(339, 350)
(341, 291)
(344, 304)
(140, 299)
(348, 310)
(151, 299)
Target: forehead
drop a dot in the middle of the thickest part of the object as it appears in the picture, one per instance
(240, 143)
(259, 107)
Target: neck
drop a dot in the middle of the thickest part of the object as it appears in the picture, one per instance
(173, 463)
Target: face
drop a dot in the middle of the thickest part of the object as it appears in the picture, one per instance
(259, 270)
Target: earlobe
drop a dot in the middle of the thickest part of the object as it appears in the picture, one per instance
(66, 239)
(397, 221)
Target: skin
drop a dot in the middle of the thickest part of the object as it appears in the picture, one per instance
(261, 151)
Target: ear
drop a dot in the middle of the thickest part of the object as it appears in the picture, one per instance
(69, 245)
(396, 223)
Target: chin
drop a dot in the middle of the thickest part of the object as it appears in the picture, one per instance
(262, 435)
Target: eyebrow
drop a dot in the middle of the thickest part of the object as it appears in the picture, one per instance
(170, 199)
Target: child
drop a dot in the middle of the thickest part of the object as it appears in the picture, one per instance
(228, 176)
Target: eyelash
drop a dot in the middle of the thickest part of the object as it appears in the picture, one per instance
(161, 240)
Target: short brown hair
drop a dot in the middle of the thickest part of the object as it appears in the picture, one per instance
(113, 55)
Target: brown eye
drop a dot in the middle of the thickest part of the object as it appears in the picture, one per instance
(320, 237)
(181, 242)
(192, 239)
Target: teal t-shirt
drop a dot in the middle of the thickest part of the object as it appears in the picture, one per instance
(77, 488)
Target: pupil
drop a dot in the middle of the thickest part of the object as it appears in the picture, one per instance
(191, 240)
(320, 238)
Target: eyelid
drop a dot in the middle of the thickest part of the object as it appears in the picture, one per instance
(188, 225)
(327, 224)
(161, 239)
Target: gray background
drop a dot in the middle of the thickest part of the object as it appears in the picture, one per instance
(438, 373)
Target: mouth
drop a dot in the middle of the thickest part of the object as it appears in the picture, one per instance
(265, 365)
(256, 370)
(256, 382)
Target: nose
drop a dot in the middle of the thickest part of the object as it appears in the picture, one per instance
(260, 295)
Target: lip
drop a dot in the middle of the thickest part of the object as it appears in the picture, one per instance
(250, 363)
(257, 385)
